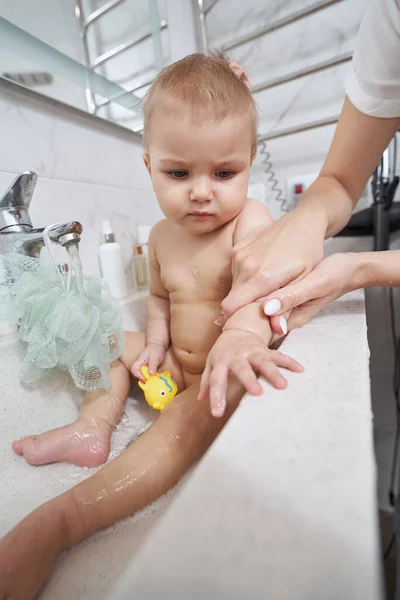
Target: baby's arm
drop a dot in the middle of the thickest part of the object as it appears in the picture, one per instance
(242, 349)
(158, 312)
(250, 318)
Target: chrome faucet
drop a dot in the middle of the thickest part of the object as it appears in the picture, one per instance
(16, 229)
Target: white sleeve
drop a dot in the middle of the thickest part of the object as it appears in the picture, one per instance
(373, 82)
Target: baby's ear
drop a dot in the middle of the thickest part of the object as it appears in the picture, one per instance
(146, 160)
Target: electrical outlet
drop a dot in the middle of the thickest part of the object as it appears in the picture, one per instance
(296, 186)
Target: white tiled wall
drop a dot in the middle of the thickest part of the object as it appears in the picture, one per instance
(88, 171)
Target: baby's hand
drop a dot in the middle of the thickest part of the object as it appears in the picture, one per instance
(152, 356)
(241, 353)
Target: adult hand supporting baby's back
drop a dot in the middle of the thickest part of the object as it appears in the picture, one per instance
(273, 257)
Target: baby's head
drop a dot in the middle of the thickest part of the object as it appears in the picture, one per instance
(200, 138)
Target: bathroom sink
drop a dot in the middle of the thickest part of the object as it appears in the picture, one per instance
(282, 504)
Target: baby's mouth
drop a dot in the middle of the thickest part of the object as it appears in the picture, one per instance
(200, 213)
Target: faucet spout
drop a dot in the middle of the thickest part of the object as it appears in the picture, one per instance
(14, 205)
(31, 242)
(16, 230)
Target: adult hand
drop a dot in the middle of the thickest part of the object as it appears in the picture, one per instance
(274, 256)
(331, 278)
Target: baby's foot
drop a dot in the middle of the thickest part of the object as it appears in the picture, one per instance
(84, 442)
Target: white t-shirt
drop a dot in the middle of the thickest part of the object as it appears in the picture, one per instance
(373, 82)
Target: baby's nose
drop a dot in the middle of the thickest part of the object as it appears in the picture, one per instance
(201, 190)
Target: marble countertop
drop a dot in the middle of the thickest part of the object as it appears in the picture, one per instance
(283, 505)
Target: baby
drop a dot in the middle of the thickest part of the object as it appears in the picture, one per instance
(200, 126)
(200, 140)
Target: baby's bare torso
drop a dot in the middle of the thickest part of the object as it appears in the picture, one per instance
(196, 272)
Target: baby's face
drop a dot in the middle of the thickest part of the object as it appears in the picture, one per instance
(200, 172)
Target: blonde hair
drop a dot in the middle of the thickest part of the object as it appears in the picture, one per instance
(204, 86)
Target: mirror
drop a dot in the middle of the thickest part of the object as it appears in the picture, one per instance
(96, 55)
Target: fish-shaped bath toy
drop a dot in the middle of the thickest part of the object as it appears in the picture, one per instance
(159, 389)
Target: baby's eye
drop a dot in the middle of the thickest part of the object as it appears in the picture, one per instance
(162, 393)
(224, 174)
(178, 174)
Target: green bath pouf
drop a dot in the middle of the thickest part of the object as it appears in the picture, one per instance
(67, 321)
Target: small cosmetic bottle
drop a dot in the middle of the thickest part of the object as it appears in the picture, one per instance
(140, 259)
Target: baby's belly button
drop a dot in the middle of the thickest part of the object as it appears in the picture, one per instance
(190, 359)
(192, 354)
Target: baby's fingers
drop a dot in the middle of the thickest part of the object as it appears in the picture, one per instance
(287, 362)
(271, 373)
(243, 371)
(218, 386)
(142, 359)
(153, 362)
(135, 368)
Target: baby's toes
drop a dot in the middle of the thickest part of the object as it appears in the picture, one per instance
(24, 445)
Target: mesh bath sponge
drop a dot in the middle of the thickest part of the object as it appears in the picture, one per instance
(67, 321)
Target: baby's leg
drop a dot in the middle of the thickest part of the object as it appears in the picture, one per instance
(86, 441)
(142, 473)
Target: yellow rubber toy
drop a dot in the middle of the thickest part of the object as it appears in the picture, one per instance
(159, 389)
